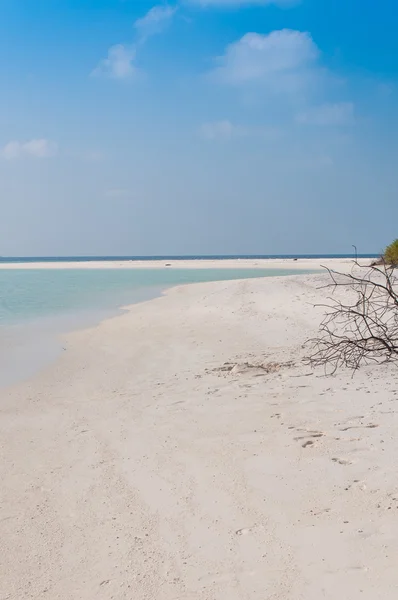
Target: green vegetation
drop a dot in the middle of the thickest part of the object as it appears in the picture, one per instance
(391, 254)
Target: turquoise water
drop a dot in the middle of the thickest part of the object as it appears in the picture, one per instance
(37, 306)
(28, 294)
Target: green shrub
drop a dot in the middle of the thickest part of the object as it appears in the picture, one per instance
(391, 254)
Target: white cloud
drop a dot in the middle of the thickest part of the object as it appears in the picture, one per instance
(11, 150)
(220, 130)
(119, 63)
(341, 113)
(282, 72)
(282, 61)
(155, 21)
(225, 130)
(39, 148)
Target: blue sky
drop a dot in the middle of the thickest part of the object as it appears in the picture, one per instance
(202, 127)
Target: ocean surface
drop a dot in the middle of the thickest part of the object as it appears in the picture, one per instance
(38, 305)
(54, 259)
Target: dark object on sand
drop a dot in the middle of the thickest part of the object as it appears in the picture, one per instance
(377, 263)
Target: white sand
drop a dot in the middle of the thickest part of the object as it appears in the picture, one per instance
(139, 468)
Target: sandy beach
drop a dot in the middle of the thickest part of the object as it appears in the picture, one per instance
(184, 451)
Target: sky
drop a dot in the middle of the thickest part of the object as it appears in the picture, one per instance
(198, 127)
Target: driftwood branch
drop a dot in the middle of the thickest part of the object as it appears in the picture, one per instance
(362, 329)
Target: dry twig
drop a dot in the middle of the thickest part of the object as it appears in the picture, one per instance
(364, 330)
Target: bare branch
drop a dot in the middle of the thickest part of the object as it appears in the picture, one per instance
(362, 329)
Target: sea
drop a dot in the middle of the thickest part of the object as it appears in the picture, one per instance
(37, 306)
(221, 257)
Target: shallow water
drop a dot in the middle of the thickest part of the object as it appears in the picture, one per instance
(37, 306)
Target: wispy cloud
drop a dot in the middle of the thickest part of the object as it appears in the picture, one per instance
(119, 63)
(225, 130)
(220, 130)
(341, 113)
(38, 148)
(155, 21)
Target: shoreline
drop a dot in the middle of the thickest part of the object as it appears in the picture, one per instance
(31, 346)
(32, 357)
(182, 450)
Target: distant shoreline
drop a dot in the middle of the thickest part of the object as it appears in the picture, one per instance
(291, 262)
(155, 258)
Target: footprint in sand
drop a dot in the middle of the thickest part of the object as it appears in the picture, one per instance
(310, 434)
(249, 530)
(307, 444)
(310, 437)
(371, 426)
(342, 461)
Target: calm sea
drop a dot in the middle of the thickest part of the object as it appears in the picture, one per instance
(37, 305)
(54, 259)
